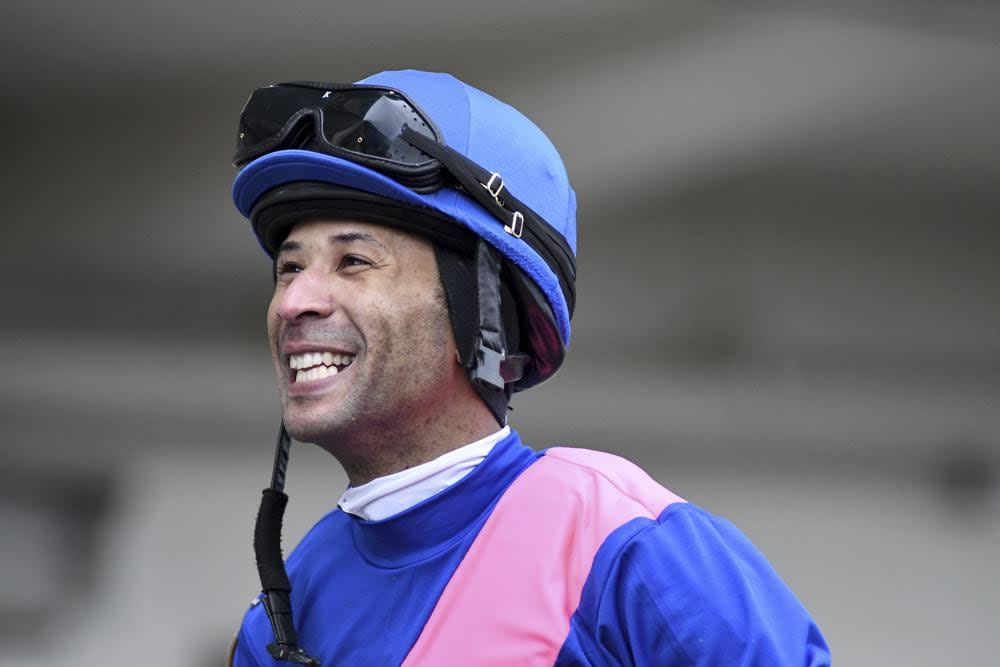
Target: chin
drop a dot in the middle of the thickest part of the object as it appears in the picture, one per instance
(332, 428)
(311, 425)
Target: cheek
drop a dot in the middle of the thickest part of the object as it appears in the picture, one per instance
(427, 334)
(273, 326)
(272, 321)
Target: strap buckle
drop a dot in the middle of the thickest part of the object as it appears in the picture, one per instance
(488, 367)
(516, 226)
(494, 186)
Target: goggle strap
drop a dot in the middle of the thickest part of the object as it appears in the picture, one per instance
(475, 180)
(514, 214)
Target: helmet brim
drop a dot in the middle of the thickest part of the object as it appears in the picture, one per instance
(289, 166)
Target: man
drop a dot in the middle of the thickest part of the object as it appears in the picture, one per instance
(424, 240)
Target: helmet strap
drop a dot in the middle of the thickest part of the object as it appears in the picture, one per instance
(485, 322)
(490, 343)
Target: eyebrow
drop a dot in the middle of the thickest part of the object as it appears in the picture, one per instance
(333, 239)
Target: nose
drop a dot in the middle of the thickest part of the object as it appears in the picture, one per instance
(306, 296)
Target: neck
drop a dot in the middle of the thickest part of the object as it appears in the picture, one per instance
(383, 449)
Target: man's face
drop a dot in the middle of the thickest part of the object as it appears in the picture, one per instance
(359, 332)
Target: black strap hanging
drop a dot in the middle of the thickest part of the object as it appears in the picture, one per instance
(271, 565)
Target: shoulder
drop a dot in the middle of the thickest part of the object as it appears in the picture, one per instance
(693, 588)
(251, 635)
(601, 477)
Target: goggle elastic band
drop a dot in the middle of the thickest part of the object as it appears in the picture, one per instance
(487, 189)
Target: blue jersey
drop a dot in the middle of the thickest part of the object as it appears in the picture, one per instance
(566, 557)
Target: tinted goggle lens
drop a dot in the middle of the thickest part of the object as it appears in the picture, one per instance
(364, 121)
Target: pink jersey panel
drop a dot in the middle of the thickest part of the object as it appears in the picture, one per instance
(510, 600)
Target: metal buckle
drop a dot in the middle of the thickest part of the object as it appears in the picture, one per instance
(516, 226)
(488, 364)
(496, 180)
(495, 186)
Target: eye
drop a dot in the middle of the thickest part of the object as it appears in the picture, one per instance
(284, 267)
(351, 261)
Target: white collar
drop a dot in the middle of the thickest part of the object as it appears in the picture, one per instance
(387, 496)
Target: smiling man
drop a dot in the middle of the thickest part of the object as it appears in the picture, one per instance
(424, 244)
(364, 352)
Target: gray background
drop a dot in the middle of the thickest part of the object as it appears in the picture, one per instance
(787, 296)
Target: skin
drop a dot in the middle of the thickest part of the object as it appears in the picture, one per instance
(372, 291)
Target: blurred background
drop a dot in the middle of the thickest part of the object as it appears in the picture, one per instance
(788, 292)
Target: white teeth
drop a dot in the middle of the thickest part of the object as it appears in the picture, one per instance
(316, 373)
(309, 360)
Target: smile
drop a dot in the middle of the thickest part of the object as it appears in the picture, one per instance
(311, 366)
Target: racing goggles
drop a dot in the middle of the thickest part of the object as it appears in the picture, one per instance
(381, 129)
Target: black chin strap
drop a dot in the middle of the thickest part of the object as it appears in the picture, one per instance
(485, 322)
(492, 366)
(271, 565)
